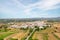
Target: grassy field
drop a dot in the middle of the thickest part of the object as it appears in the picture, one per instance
(5, 34)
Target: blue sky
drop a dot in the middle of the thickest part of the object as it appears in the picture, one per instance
(29, 8)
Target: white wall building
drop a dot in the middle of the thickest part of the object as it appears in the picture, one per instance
(40, 24)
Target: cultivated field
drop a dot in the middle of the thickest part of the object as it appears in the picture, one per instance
(50, 33)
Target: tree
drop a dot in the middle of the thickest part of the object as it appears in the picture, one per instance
(4, 27)
(37, 28)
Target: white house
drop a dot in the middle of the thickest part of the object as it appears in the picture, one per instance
(15, 26)
(23, 26)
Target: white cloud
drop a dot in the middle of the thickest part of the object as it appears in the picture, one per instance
(12, 7)
(43, 5)
(48, 4)
(18, 4)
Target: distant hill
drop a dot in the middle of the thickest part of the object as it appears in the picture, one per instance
(29, 19)
(54, 19)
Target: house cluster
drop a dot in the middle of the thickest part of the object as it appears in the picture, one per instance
(40, 24)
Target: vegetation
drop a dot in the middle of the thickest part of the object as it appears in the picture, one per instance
(35, 39)
(13, 39)
(4, 32)
(45, 36)
(37, 28)
(3, 35)
(56, 36)
(23, 38)
(3, 27)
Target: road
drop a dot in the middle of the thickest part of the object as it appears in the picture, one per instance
(31, 34)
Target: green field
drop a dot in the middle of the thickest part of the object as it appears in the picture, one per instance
(5, 34)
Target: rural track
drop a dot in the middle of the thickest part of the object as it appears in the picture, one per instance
(30, 34)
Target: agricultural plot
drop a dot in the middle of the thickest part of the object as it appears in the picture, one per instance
(58, 34)
(47, 34)
(51, 37)
(37, 36)
(48, 30)
(57, 29)
(50, 33)
(20, 35)
(5, 34)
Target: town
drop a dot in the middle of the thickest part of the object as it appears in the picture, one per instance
(35, 30)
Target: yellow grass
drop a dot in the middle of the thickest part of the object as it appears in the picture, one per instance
(51, 37)
(57, 34)
(48, 30)
(37, 35)
(20, 35)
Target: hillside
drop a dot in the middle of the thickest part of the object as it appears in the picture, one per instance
(29, 19)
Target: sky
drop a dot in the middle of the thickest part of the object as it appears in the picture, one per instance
(29, 8)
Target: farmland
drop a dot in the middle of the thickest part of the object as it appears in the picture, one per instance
(47, 33)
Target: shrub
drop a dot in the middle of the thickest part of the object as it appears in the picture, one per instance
(23, 38)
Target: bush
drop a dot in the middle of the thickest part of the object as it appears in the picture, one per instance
(55, 31)
(23, 38)
(44, 27)
(30, 30)
(1, 39)
(37, 29)
(41, 29)
(56, 28)
(35, 39)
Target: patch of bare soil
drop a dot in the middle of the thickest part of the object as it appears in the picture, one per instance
(51, 37)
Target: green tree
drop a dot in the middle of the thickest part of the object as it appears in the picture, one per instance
(4, 27)
(37, 28)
